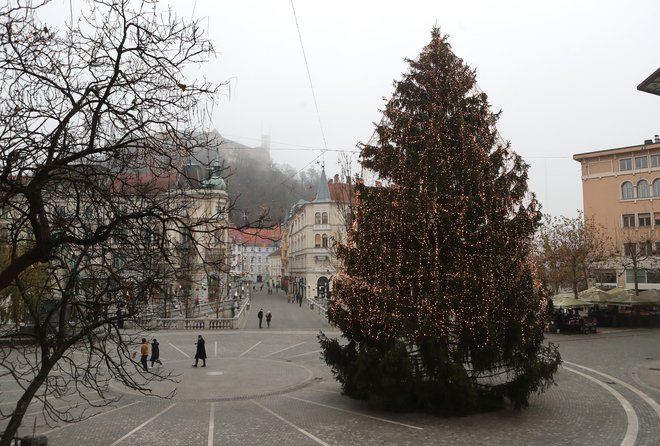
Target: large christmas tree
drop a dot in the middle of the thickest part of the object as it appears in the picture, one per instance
(438, 297)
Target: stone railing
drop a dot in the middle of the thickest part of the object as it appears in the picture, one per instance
(194, 324)
(320, 305)
(201, 323)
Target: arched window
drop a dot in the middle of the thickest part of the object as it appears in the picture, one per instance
(643, 189)
(627, 191)
(317, 240)
(325, 241)
(317, 218)
(325, 218)
(656, 188)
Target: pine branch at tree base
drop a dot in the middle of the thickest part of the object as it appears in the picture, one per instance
(437, 294)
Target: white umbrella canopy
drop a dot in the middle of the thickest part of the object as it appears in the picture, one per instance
(594, 295)
(619, 292)
(568, 301)
(648, 297)
(625, 297)
(651, 296)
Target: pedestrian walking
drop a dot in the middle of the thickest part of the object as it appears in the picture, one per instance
(155, 353)
(260, 316)
(201, 352)
(144, 354)
(268, 318)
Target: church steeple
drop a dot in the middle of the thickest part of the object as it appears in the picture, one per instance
(322, 192)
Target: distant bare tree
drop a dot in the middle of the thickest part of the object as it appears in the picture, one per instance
(636, 252)
(96, 122)
(569, 249)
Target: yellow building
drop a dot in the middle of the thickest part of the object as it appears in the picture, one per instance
(312, 227)
(621, 192)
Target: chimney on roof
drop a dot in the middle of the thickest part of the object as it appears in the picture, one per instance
(657, 138)
(379, 184)
(648, 141)
(337, 175)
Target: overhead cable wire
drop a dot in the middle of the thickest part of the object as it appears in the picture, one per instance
(309, 75)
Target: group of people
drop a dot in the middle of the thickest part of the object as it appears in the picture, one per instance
(200, 353)
(144, 354)
(260, 316)
(276, 288)
(297, 298)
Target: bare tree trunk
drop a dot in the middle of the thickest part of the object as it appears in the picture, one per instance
(22, 406)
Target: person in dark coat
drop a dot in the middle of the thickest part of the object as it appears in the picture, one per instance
(201, 352)
(155, 353)
(260, 316)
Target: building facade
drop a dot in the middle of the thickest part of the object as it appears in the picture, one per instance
(312, 228)
(251, 248)
(275, 269)
(621, 192)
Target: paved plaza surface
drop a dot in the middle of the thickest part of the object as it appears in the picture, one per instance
(269, 386)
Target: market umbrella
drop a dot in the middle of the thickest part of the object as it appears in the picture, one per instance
(568, 301)
(644, 298)
(651, 296)
(594, 295)
(617, 291)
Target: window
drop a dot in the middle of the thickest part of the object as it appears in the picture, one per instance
(625, 164)
(325, 241)
(641, 162)
(629, 249)
(317, 218)
(325, 218)
(645, 248)
(317, 240)
(605, 276)
(655, 160)
(644, 219)
(643, 189)
(630, 276)
(627, 191)
(628, 220)
(652, 276)
(656, 188)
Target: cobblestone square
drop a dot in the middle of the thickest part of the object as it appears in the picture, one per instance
(270, 386)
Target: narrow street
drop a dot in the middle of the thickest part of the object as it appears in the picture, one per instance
(286, 316)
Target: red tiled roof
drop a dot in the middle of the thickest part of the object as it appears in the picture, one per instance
(341, 192)
(263, 238)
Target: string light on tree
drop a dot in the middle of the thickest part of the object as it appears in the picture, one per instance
(438, 299)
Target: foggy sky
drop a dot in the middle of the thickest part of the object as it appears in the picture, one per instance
(564, 74)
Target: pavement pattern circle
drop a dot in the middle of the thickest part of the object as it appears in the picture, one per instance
(229, 379)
